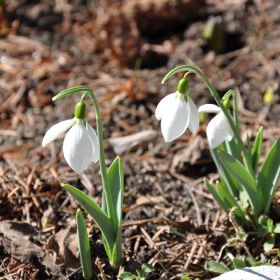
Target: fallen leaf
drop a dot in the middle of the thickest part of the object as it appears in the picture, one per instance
(120, 145)
(63, 245)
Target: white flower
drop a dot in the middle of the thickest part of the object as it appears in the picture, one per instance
(177, 112)
(80, 146)
(218, 129)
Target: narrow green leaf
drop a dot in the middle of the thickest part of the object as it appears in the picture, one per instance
(268, 177)
(257, 149)
(233, 149)
(116, 257)
(248, 147)
(225, 175)
(116, 184)
(216, 267)
(83, 245)
(217, 197)
(245, 180)
(96, 213)
(231, 202)
(238, 264)
(116, 188)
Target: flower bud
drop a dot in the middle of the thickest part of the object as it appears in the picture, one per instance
(80, 110)
(183, 86)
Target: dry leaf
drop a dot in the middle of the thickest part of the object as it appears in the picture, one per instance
(121, 145)
(190, 154)
(22, 241)
(64, 247)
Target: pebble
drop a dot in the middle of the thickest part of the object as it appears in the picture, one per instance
(264, 272)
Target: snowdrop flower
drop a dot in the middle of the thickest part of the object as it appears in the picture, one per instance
(218, 129)
(177, 112)
(80, 146)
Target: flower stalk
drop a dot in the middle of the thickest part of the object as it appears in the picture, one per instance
(109, 217)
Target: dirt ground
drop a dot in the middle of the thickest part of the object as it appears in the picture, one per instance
(122, 50)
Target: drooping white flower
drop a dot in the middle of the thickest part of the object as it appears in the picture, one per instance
(218, 129)
(80, 146)
(177, 112)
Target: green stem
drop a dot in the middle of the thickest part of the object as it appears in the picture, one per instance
(103, 170)
(232, 93)
(214, 93)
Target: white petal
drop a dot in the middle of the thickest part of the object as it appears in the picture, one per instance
(175, 119)
(217, 130)
(209, 108)
(230, 134)
(78, 148)
(194, 117)
(163, 105)
(95, 142)
(56, 130)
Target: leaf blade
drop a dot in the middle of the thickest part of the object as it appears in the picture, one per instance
(245, 180)
(268, 176)
(96, 213)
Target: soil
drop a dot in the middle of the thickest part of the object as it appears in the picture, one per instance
(122, 50)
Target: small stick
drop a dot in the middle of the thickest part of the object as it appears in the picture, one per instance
(238, 232)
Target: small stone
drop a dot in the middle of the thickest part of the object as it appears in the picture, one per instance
(264, 272)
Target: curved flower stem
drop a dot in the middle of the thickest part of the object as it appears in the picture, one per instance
(214, 93)
(103, 170)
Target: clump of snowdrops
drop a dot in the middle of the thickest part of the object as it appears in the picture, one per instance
(244, 185)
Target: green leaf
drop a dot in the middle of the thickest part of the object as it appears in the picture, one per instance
(225, 175)
(216, 267)
(270, 242)
(233, 149)
(243, 198)
(116, 184)
(116, 257)
(245, 180)
(83, 245)
(249, 261)
(238, 264)
(96, 213)
(268, 177)
(116, 188)
(147, 268)
(217, 197)
(257, 149)
(277, 228)
(248, 147)
(231, 202)
(127, 276)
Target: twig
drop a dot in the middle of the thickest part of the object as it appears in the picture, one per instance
(99, 265)
(73, 273)
(238, 231)
(191, 255)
